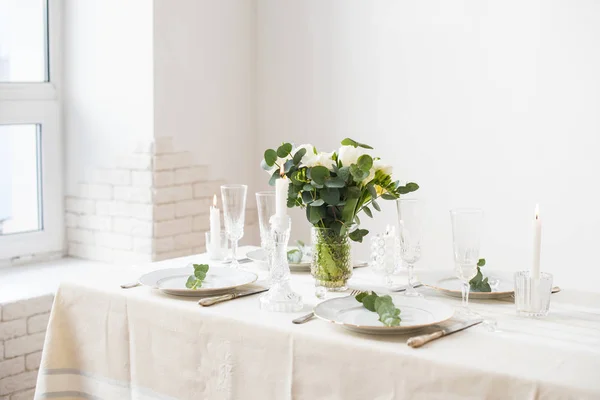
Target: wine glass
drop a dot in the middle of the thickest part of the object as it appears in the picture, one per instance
(265, 202)
(409, 229)
(467, 226)
(234, 210)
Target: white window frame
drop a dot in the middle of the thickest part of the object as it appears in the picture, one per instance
(40, 103)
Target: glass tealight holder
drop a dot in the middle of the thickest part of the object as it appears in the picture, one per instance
(219, 250)
(532, 295)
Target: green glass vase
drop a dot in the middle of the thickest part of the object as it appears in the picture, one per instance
(331, 263)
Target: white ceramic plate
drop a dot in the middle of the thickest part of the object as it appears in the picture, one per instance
(415, 313)
(218, 280)
(501, 282)
(259, 256)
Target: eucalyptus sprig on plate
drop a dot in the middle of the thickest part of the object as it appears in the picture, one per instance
(479, 283)
(389, 315)
(195, 281)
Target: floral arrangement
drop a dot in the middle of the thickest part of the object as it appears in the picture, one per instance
(335, 187)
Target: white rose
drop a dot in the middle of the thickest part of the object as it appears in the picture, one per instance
(348, 155)
(322, 159)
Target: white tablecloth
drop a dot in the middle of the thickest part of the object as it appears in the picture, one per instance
(109, 343)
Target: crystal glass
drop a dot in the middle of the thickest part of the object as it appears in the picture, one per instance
(265, 203)
(384, 255)
(233, 198)
(410, 226)
(532, 296)
(218, 252)
(467, 227)
(280, 297)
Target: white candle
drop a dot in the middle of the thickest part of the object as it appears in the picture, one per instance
(537, 243)
(281, 194)
(215, 227)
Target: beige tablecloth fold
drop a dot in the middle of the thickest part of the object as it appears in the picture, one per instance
(104, 342)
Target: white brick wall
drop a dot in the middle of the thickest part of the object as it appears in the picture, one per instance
(22, 330)
(154, 204)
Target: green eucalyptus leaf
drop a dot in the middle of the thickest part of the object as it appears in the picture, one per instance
(372, 190)
(307, 187)
(270, 157)
(354, 143)
(287, 166)
(369, 301)
(367, 211)
(317, 203)
(357, 173)
(201, 267)
(330, 195)
(343, 173)
(318, 174)
(190, 282)
(263, 165)
(307, 197)
(358, 235)
(274, 177)
(411, 186)
(388, 196)
(315, 214)
(376, 205)
(359, 297)
(298, 156)
(365, 163)
(335, 182)
(284, 150)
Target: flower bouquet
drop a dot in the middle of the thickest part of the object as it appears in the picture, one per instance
(334, 188)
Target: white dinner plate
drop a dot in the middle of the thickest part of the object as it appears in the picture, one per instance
(415, 313)
(501, 282)
(218, 280)
(259, 256)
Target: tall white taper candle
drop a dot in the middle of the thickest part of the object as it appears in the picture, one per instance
(281, 194)
(215, 227)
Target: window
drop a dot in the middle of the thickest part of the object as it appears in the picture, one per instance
(31, 212)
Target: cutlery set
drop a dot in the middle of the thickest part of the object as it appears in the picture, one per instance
(414, 342)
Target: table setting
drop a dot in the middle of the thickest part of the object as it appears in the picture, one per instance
(308, 321)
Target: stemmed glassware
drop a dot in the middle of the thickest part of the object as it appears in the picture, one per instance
(409, 228)
(234, 210)
(467, 227)
(265, 202)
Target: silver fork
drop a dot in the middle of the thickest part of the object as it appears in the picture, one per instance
(309, 316)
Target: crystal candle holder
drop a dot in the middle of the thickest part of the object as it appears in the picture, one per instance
(532, 295)
(217, 251)
(280, 296)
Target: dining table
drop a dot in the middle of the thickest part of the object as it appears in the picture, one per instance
(106, 342)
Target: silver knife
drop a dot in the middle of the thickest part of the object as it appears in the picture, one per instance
(209, 301)
(418, 341)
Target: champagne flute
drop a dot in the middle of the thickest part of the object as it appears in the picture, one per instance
(265, 202)
(410, 227)
(467, 227)
(233, 198)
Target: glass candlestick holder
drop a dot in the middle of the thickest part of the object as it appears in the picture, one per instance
(216, 251)
(280, 296)
(532, 295)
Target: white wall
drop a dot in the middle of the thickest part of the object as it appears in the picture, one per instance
(483, 103)
(205, 76)
(108, 75)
